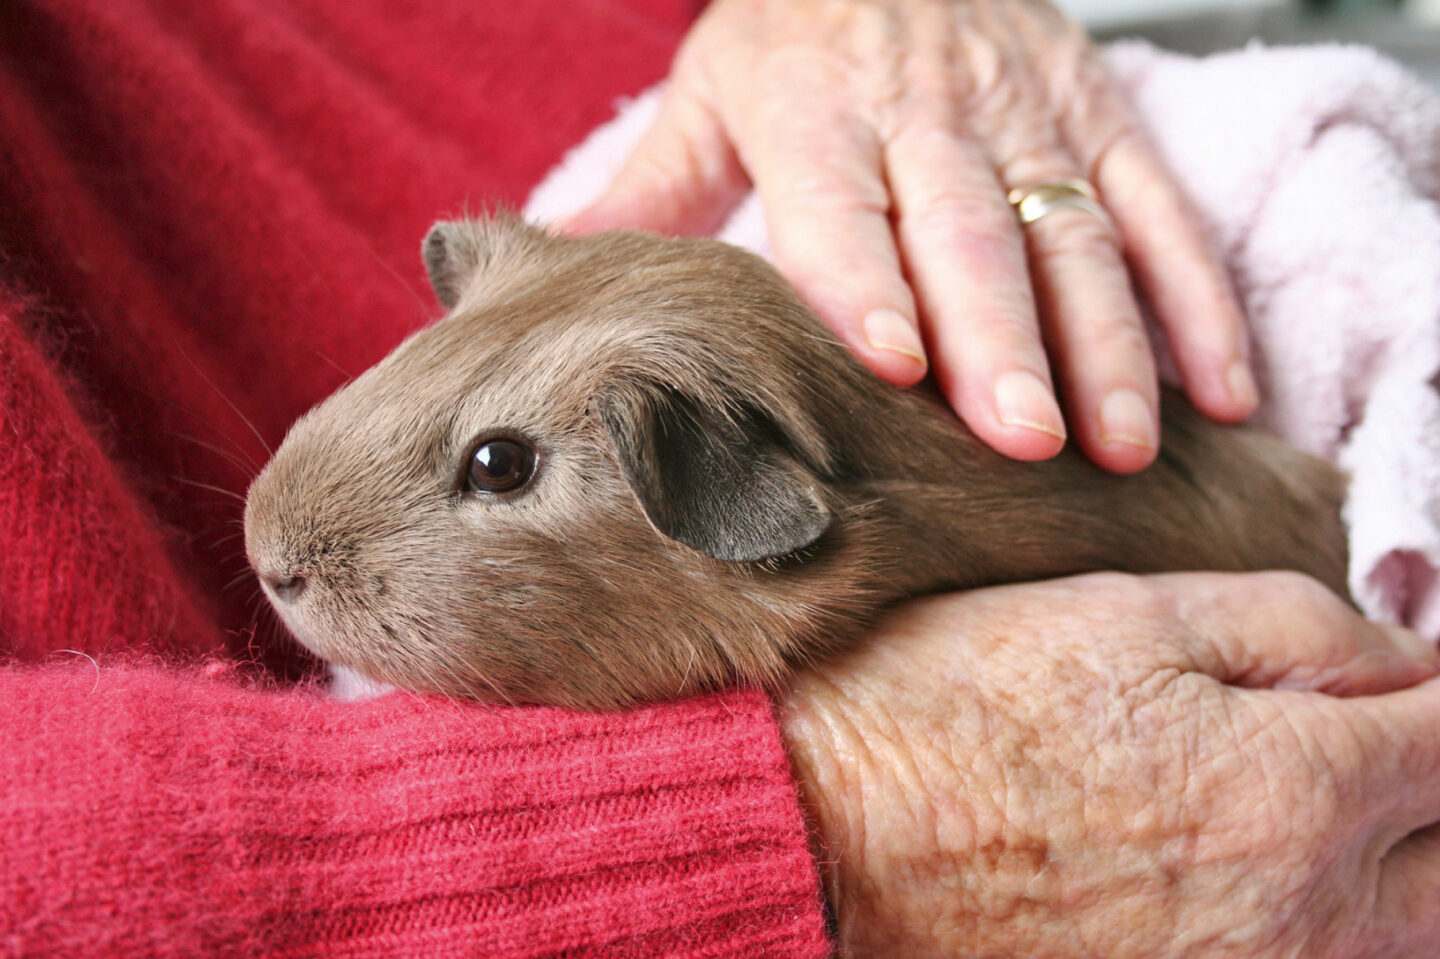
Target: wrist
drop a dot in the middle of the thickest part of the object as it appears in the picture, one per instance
(813, 769)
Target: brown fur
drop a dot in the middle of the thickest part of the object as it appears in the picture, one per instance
(826, 493)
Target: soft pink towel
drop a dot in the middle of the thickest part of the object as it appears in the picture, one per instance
(1318, 169)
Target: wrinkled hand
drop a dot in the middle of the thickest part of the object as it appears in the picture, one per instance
(882, 138)
(1123, 767)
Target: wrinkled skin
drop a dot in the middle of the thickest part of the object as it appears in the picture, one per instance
(882, 137)
(1189, 765)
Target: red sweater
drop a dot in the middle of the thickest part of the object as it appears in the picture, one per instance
(209, 217)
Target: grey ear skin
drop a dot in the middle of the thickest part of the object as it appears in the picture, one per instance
(451, 257)
(728, 487)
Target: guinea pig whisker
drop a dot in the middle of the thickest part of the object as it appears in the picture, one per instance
(229, 493)
(227, 401)
(237, 579)
(336, 367)
(241, 578)
(237, 458)
(404, 283)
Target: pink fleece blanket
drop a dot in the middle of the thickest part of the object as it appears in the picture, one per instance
(1318, 169)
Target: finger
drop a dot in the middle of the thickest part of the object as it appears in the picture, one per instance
(683, 177)
(1408, 910)
(1399, 738)
(817, 169)
(1091, 321)
(1169, 252)
(966, 258)
(1284, 630)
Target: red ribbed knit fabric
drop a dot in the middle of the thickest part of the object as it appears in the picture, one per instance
(209, 217)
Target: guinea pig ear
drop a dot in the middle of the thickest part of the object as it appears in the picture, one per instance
(728, 486)
(452, 251)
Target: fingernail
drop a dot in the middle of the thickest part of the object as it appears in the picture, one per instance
(1023, 399)
(1412, 644)
(1241, 382)
(885, 329)
(1125, 417)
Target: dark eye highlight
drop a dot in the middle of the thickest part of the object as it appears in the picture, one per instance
(500, 465)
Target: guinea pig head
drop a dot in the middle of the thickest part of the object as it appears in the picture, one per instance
(580, 487)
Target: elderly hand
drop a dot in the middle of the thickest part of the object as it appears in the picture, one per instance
(882, 138)
(1191, 765)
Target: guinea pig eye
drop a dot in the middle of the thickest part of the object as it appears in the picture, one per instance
(499, 466)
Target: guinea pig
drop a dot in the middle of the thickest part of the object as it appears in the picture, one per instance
(625, 467)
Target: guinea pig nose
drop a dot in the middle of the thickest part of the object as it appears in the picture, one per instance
(286, 588)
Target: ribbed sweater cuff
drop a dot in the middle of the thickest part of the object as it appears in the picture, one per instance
(184, 814)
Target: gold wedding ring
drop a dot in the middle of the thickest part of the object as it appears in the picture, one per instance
(1039, 199)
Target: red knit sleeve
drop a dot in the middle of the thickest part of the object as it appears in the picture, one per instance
(155, 812)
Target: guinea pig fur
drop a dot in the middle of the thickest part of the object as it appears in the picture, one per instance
(625, 467)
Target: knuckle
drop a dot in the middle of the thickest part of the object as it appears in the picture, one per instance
(1297, 591)
(991, 267)
(657, 174)
(808, 194)
(1074, 235)
(1085, 85)
(961, 213)
(815, 253)
(1114, 135)
(801, 60)
(1121, 338)
(925, 80)
(1003, 330)
(998, 336)
(690, 62)
(1039, 160)
(1139, 597)
(986, 84)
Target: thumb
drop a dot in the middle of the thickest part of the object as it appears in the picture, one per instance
(1286, 631)
(683, 177)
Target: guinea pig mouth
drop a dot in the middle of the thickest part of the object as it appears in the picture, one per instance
(305, 634)
(356, 645)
